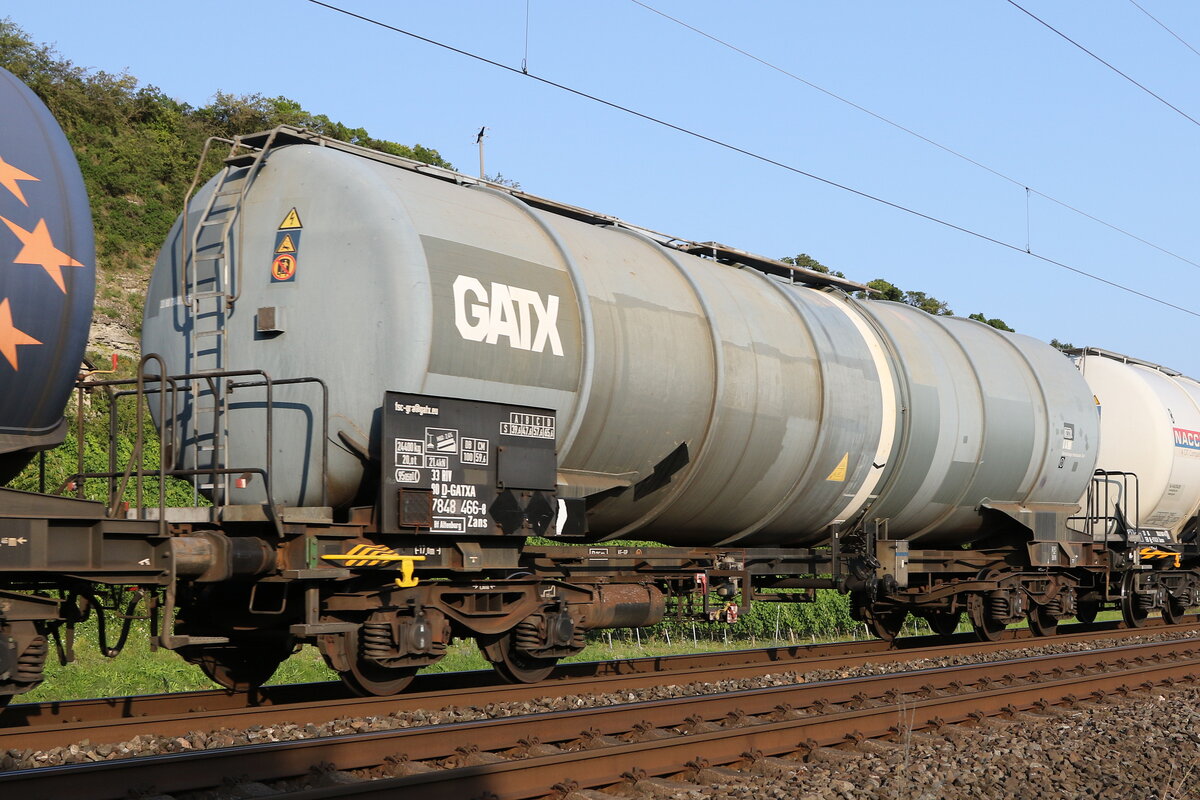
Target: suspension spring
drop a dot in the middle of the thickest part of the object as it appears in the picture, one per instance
(375, 641)
(31, 663)
(526, 636)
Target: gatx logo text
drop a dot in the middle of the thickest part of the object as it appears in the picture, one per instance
(528, 321)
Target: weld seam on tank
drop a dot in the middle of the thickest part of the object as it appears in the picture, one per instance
(798, 485)
(981, 404)
(889, 399)
(1046, 421)
(718, 384)
(583, 300)
(899, 505)
(903, 393)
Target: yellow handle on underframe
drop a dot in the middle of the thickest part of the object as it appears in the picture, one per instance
(407, 579)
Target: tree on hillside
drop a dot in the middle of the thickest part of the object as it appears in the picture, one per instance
(1066, 347)
(998, 324)
(928, 304)
(885, 290)
(137, 148)
(806, 261)
(234, 115)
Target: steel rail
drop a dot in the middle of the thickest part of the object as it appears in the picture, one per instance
(791, 715)
(520, 779)
(48, 725)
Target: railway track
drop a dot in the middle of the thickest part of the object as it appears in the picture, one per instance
(574, 750)
(60, 724)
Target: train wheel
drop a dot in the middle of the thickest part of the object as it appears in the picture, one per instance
(885, 624)
(239, 667)
(943, 623)
(1131, 611)
(1086, 612)
(366, 677)
(513, 665)
(987, 628)
(1042, 622)
(1172, 611)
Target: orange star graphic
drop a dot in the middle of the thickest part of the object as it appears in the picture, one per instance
(10, 337)
(39, 249)
(9, 175)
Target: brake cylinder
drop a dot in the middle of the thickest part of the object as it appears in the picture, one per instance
(623, 605)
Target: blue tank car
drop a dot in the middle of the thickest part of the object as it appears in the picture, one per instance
(47, 275)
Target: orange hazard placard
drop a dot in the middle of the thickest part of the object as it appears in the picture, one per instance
(283, 268)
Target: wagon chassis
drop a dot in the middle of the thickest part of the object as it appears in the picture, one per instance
(235, 588)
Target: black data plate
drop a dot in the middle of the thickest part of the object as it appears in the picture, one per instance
(1151, 536)
(445, 461)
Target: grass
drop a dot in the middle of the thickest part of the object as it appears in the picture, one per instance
(137, 670)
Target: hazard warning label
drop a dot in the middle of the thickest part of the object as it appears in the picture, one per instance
(287, 249)
(291, 221)
(283, 268)
(839, 472)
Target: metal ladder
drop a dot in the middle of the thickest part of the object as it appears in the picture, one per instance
(211, 288)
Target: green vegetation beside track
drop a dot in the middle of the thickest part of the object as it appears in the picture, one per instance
(137, 670)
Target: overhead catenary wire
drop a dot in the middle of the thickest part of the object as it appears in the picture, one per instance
(1024, 186)
(1162, 25)
(1157, 97)
(750, 154)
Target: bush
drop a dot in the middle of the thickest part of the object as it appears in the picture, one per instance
(63, 462)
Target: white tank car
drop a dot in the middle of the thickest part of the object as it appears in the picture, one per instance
(1149, 426)
(710, 403)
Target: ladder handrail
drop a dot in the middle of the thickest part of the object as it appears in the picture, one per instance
(168, 388)
(187, 253)
(251, 173)
(226, 280)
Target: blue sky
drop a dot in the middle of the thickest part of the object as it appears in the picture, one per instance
(980, 77)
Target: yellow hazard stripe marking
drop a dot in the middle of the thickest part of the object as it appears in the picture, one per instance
(1151, 552)
(373, 555)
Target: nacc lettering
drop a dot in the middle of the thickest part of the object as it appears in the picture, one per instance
(521, 315)
(1187, 439)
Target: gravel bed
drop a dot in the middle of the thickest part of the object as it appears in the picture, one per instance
(1144, 747)
(201, 740)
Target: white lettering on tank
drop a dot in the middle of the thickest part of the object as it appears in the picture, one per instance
(504, 318)
(477, 331)
(523, 299)
(547, 324)
(520, 315)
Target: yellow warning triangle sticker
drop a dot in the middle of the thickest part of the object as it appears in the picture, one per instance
(287, 245)
(292, 220)
(839, 472)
